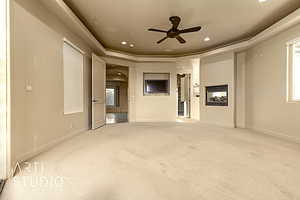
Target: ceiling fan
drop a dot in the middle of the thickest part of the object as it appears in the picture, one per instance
(174, 32)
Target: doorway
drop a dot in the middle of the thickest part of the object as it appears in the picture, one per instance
(116, 94)
(184, 95)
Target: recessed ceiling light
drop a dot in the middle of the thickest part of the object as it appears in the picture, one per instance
(261, 1)
(131, 45)
(206, 39)
(124, 43)
(119, 73)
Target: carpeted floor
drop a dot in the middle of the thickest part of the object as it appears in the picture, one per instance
(162, 161)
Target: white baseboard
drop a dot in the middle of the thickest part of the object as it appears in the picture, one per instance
(49, 145)
(154, 120)
(276, 134)
(218, 124)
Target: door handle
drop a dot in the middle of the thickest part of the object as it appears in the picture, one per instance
(95, 101)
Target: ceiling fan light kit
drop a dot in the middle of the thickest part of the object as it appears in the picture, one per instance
(174, 32)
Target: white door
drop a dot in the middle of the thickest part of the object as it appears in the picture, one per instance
(98, 92)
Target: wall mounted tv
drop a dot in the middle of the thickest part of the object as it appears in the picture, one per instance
(156, 83)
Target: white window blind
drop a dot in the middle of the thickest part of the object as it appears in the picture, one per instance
(296, 71)
(73, 79)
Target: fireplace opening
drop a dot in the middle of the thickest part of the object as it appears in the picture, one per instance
(217, 95)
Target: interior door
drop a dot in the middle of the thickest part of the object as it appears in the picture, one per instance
(98, 92)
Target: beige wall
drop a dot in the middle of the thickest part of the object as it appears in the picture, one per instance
(134, 89)
(148, 108)
(218, 70)
(267, 109)
(240, 90)
(37, 116)
(155, 108)
(195, 101)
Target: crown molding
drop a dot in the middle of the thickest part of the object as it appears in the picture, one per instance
(64, 11)
(138, 58)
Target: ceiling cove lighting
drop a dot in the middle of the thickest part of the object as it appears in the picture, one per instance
(206, 39)
(124, 43)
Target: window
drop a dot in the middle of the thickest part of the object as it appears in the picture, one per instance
(110, 96)
(156, 83)
(294, 71)
(73, 79)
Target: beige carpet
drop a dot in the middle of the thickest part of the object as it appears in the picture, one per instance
(162, 161)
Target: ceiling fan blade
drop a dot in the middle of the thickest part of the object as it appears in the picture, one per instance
(156, 30)
(180, 39)
(175, 20)
(160, 41)
(189, 30)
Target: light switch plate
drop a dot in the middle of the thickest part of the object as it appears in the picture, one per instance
(28, 88)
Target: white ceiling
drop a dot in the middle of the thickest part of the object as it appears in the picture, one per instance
(224, 21)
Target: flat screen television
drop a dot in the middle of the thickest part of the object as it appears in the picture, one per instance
(156, 87)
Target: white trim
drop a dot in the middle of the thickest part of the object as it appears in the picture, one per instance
(292, 42)
(224, 125)
(294, 75)
(66, 10)
(5, 144)
(73, 112)
(49, 145)
(290, 71)
(283, 24)
(74, 46)
(143, 120)
(138, 58)
(8, 92)
(276, 134)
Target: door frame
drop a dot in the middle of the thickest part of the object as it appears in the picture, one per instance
(5, 107)
(190, 96)
(129, 89)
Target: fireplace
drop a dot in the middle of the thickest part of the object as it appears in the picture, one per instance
(217, 95)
